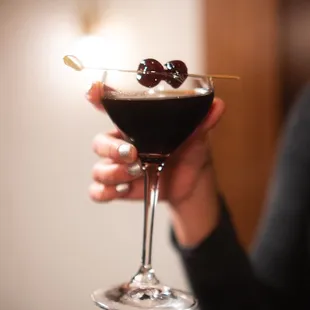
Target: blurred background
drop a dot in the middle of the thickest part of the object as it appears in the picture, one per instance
(56, 246)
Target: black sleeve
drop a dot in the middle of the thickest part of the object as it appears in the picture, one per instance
(219, 270)
(223, 276)
(279, 255)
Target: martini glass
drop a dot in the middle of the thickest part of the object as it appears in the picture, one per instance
(156, 112)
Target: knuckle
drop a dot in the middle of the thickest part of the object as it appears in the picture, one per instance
(111, 178)
(111, 150)
(96, 172)
(96, 142)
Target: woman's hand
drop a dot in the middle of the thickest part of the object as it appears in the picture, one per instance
(187, 181)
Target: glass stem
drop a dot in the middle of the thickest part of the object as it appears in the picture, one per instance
(152, 171)
(151, 183)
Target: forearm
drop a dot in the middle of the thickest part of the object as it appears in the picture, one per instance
(195, 218)
(218, 268)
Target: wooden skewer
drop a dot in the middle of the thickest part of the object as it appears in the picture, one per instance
(76, 64)
(224, 76)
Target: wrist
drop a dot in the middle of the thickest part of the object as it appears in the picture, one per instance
(195, 218)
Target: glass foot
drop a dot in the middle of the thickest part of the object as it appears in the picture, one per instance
(132, 297)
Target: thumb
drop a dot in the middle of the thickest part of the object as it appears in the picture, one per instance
(95, 95)
(217, 109)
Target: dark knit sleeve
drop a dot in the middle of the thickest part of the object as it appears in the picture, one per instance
(280, 255)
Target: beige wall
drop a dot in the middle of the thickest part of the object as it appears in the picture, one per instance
(56, 246)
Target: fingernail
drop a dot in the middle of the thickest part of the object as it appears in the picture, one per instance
(95, 87)
(134, 169)
(122, 188)
(124, 151)
(90, 92)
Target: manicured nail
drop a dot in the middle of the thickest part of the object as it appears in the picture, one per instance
(124, 151)
(134, 169)
(122, 188)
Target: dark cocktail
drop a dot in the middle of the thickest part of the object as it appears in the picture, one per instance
(158, 123)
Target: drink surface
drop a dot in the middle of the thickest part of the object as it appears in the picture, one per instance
(157, 124)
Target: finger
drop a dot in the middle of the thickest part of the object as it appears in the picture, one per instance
(113, 174)
(216, 111)
(115, 133)
(137, 190)
(106, 145)
(99, 192)
(95, 94)
(131, 191)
